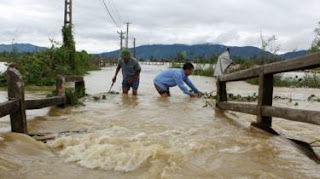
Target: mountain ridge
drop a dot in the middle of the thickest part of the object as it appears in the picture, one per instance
(21, 47)
(165, 51)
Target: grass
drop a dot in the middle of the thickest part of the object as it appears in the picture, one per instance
(308, 81)
(176, 65)
(202, 70)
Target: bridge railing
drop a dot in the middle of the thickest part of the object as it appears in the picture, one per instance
(264, 109)
(16, 105)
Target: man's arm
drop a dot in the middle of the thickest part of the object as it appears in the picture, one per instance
(117, 71)
(190, 84)
(179, 81)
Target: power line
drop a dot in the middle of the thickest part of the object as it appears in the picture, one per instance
(108, 10)
(115, 10)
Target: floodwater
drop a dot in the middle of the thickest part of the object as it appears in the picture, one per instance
(3, 67)
(150, 137)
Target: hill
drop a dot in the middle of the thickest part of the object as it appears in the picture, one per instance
(201, 50)
(22, 48)
(170, 51)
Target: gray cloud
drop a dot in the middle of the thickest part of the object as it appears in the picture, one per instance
(230, 22)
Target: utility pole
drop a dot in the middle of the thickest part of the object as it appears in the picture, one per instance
(68, 40)
(127, 38)
(134, 47)
(68, 13)
(121, 39)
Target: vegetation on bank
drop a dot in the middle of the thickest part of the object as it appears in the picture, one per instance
(41, 68)
(73, 97)
(312, 81)
(204, 70)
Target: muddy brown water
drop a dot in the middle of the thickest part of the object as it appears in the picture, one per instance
(150, 137)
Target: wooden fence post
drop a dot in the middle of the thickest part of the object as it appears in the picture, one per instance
(221, 91)
(265, 98)
(16, 92)
(60, 88)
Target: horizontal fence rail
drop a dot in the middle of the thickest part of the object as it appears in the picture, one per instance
(9, 107)
(312, 117)
(301, 63)
(43, 103)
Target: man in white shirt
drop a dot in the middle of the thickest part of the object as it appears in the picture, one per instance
(224, 61)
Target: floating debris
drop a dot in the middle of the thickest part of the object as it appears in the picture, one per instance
(314, 98)
(113, 92)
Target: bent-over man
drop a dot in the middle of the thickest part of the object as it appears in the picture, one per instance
(176, 77)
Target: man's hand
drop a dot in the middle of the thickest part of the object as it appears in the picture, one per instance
(114, 79)
(192, 95)
(200, 94)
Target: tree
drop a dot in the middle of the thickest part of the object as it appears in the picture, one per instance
(315, 47)
(269, 45)
(181, 57)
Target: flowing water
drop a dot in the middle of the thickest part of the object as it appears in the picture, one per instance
(3, 67)
(151, 137)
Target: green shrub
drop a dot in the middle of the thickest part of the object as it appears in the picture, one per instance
(73, 97)
(308, 81)
(201, 70)
(3, 79)
(41, 68)
(175, 65)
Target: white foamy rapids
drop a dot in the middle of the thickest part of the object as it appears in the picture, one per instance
(121, 150)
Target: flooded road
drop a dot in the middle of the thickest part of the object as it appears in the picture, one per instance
(151, 137)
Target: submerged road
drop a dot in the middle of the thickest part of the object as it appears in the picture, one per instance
(150, 137)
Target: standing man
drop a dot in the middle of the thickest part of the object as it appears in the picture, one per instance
(130, 71)
(176, 77)
(224, 62)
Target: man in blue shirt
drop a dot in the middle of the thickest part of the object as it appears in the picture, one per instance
(176, 77)
(130, 72)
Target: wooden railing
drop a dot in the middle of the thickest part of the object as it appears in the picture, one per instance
(16, 106)
(264, 109)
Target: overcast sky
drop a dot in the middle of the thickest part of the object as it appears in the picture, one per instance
(229, 22)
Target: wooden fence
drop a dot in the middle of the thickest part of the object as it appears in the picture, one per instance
(16, 105)
(264, 109)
